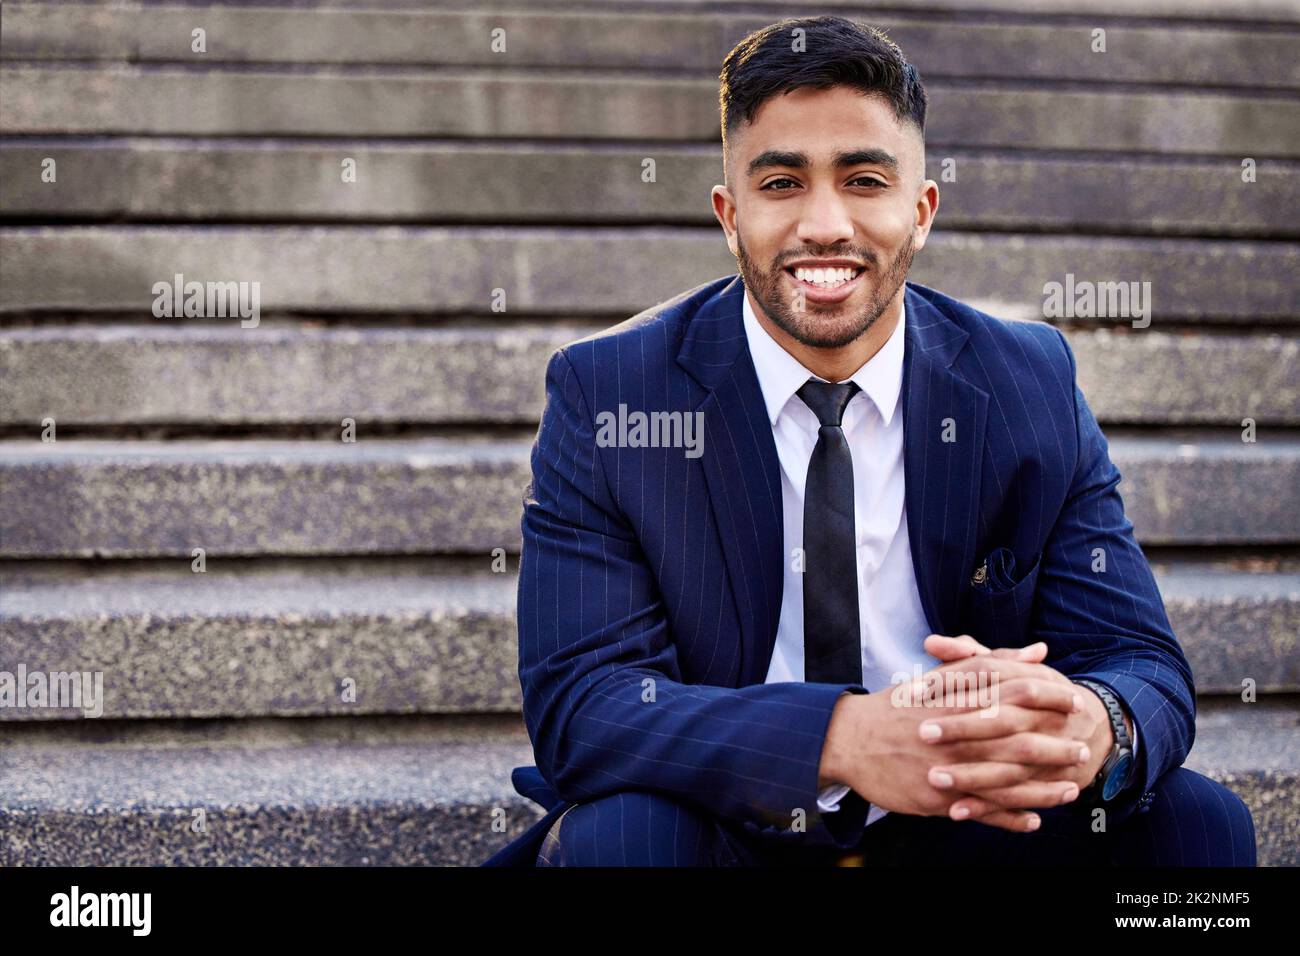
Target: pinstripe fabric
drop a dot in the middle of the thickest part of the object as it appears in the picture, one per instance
(1191, 821)
(650, 581)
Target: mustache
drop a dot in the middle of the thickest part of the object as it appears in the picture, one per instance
(866, 258)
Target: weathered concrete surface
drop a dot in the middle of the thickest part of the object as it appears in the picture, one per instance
(1235, 624)
(210, 375)
(510, 101)
(1210, 490)
(332, 792)
(1254, 750)
(602, 271)
(684, 42)
(1141, 376)
(464, 496)
(401, 636)
(421, 636)
(394, 793)
(262, 497)
(282, 180)
(285, 372)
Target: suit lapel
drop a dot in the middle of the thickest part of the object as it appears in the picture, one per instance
(742, 472)
(944, 418)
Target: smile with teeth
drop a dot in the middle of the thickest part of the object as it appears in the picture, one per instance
(825, 278)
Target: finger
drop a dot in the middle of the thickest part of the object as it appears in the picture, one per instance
(1004, 667)
(1039, 693)
(1035, 653)
(1074, 773)
(972, 777)
(1028, 795)
(998, 719)
(987, 695)
(1026, 748)
(953, 648)
(1021, 821)
(990, 662)
(986, 723)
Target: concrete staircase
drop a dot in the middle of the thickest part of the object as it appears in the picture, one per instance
(339, 684)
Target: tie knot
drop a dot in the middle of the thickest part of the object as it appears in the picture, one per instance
(827, 399)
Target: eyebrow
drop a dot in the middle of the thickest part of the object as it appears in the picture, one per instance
(797, 159)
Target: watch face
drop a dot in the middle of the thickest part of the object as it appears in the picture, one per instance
(1117, 779)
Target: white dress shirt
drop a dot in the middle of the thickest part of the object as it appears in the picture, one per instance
(893, 624)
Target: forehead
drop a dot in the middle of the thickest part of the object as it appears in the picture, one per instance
(826, 123)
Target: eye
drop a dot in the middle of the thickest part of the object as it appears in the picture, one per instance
(869, 181)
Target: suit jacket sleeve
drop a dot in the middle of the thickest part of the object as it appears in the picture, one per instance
(604, 700)
(1110, 625)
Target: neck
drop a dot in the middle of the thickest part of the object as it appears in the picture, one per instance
(837, 364)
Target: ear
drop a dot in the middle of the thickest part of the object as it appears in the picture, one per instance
(927, 207)
(724, 210)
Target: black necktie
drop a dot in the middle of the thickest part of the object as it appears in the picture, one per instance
(832, 648)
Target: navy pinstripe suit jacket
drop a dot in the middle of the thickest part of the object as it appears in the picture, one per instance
(650, 581)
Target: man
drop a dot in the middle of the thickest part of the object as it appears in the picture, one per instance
(743, 643)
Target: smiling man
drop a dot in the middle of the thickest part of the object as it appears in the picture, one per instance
(893, 492)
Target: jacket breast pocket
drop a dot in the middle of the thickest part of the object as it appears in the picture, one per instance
(1001, 600)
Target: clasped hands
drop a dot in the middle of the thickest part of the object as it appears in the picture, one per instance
(1045, 744)
(1039, 745)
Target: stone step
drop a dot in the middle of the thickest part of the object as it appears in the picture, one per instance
(250, 497)
(401, 791)
(619, 105)
(279, 373)
(1190, 11)
(686, 42)
(1173, 12)
(270, 638)
(1252, 749)
(1236, 621)
(288, 373)
(333, 792)
(285, 180)
(420, 636)
(613, 271)
(442, 495)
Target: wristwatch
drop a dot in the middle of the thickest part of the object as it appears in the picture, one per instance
(1117, 771)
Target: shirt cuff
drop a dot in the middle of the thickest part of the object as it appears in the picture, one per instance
(828, 800)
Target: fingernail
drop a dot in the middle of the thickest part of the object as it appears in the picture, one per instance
(1033, 823)
(931, 731)
(960, 813)
(1084, 754)
(1078, 703)
(1069, 794)
(940, 779)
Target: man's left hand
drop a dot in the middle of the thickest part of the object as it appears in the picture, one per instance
(1090, 725)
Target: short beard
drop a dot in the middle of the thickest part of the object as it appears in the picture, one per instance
(811, 328)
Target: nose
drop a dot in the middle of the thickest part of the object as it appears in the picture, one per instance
(824, 219)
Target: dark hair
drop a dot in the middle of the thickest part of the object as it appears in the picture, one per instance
(837, 52)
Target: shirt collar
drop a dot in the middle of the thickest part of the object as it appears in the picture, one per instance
(781, 375)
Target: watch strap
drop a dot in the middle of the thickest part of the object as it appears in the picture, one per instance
(1122, 741)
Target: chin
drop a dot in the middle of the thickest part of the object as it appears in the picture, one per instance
(828, 335)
